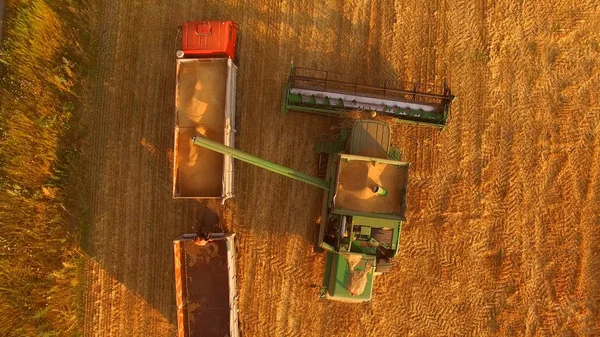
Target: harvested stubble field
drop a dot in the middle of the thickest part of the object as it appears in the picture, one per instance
(503, 205)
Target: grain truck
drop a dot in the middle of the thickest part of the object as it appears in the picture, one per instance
(204, 104)
(205, 271)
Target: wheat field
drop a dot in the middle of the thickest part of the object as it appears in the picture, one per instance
(503, 205)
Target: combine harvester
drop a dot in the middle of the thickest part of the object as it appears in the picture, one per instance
(364, 205)
(205, 273)
(322, 92)
(364, 181)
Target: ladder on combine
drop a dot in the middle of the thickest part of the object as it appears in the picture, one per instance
(322, 92)
(325, 148)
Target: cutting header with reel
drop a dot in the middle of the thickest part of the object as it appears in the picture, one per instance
(325, 93)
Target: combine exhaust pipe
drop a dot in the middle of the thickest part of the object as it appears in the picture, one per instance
(320, 92)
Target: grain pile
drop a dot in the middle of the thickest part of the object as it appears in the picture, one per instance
(357, 180)
(201, 94)
(200, 110)
(199, 169)
(357, 281)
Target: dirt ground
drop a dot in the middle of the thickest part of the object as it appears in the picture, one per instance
(503, 205)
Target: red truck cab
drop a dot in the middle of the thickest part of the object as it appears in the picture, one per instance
(200, 39)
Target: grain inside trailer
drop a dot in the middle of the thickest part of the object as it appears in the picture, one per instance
(205, 104)
(205, 282)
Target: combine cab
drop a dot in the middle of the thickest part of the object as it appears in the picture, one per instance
(325, 93)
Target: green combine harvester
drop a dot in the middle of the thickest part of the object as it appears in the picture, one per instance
(326, 93)
(364, 181)
(364, 205)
